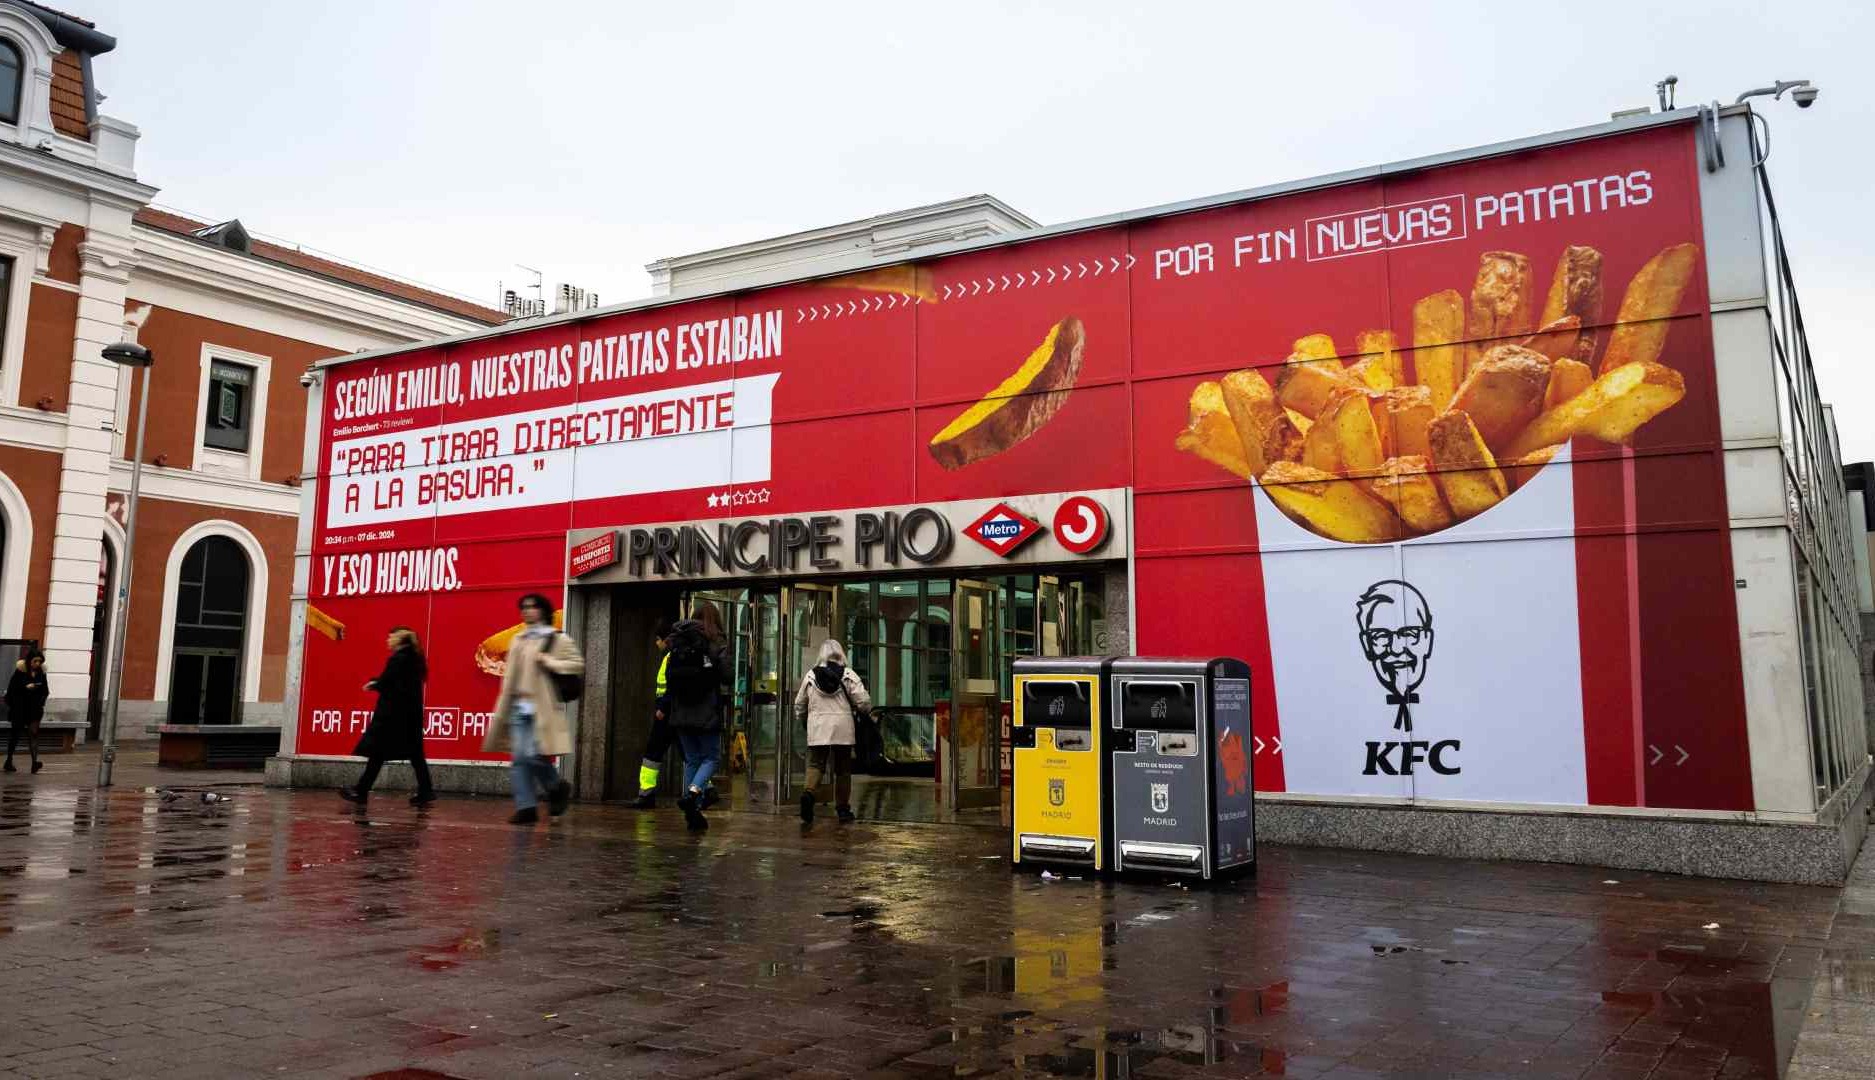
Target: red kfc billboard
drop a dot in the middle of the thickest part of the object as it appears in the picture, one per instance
(1438, 450)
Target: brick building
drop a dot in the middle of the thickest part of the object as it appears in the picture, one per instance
(233, 321)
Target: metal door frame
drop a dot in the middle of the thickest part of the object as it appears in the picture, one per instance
(957, 796)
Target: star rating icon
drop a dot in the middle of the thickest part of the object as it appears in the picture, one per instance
(745, 497)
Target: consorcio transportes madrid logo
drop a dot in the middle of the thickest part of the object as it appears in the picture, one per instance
(1002, 529)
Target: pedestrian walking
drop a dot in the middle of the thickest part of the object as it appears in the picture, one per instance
(26, 706)
(696, 671)
(658, 743)
(396, 729)
(530, 712)
(831, 698)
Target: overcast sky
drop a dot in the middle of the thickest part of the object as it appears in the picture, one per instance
(450, 141)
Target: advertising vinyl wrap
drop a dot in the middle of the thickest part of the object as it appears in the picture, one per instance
(1432, 609)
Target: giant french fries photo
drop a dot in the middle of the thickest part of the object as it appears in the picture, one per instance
(1210, 434)
(1028, 399)
(1654, 295)
(1575, 291)
(1503, 392)
(1329, 505)
(1379, 450)
(1438, 355)
(1468, 473)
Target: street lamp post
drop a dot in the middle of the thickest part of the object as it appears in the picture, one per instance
(126, 354)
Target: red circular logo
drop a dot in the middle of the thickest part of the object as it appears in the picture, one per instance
(1081, 524)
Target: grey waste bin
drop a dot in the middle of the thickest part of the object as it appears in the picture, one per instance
(1181, 765)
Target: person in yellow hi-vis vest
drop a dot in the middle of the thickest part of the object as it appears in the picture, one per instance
(658, 744)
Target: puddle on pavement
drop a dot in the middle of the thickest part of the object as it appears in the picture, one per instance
(454, 952)
(1756, 1021)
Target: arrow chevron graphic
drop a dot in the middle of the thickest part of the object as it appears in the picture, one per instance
(1130, 260)
(1657, 754)
(1083, 272)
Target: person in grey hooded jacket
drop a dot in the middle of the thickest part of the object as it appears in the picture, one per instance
(831, 696)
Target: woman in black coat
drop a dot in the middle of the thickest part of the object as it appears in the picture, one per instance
(26, 705)
(396, 729)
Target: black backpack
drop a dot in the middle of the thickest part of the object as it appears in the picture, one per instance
(691, 674)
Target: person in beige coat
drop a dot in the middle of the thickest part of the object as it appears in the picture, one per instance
(530, 719)
(830, 697)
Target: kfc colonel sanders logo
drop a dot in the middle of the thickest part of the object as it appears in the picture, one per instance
(1395, 625)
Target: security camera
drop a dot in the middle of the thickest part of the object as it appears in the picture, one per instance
(1804, 96)
(306, 379)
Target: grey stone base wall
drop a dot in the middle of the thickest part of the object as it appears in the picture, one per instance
(334, 773)
(1803, 854)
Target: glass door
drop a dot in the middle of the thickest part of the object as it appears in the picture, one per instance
(973, 767)
(762, 716)
(811, 619)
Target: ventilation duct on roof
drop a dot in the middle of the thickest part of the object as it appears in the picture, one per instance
(228, 234)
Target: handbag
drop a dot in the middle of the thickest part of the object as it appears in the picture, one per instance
(567, 687)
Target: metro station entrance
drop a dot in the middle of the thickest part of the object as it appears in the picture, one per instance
(935, 653)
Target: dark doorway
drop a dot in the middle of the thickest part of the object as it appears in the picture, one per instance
(211, 627)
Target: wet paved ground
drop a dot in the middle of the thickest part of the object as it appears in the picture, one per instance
(283, 934)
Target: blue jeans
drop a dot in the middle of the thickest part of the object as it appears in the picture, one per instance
(529, 769)
(702, 750)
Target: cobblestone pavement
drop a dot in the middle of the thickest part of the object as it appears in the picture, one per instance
(284, 934)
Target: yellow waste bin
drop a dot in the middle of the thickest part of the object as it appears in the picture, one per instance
(1058, 773)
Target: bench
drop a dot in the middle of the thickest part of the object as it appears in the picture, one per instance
(216, 746)
(55, 736)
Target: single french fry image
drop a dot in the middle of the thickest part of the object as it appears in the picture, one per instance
(1319, 450)
(1503, 301)
(1380, 348)
(1611, 409)
(1210, 434)
(1567, 378)
(1328, 505)
(1316, 347)
(1261, 423)
(1467, 472)
(1642, 321)
(319, 622)
(1503, 392)
(1403, 416)
(1576, 289)
(1371, 372)
(1438, 358)
(1556, 339)
(1405, 485)
(1304, 385)
(1349, 420)
(1518, 471)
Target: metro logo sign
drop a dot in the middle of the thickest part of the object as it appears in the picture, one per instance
(1002, 530)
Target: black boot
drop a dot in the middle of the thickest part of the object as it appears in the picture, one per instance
(558, 798)
(9, 766)
(422, 799)
(807, 808)
(527, 816)
(352, 794)
(693, 814)
(37, 764)
(845, 814)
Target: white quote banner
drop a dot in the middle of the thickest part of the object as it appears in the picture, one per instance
(683, 437)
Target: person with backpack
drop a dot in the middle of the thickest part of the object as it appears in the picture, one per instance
(831, 697)
(543, 672)
(696, 671)
(658, 743)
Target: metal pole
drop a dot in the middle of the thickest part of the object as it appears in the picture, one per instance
(120, 614)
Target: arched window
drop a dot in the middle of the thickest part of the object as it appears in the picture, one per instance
(211, 623)
(11, 67)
